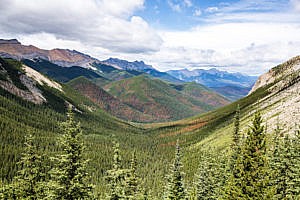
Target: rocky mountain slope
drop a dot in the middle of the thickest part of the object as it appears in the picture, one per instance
(63, 57)
(25, 84)
(58, 73)
(112, 68)
(126, 65)
(283, 101)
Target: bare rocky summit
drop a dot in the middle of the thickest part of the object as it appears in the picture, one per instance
(63, 57)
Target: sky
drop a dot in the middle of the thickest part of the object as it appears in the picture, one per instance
(248, 36)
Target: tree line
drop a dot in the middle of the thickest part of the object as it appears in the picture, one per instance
(255, 167)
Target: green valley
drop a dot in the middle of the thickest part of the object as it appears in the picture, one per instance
(202, 137)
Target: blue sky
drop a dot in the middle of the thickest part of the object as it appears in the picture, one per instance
(248, 36)
(180, 14)
(185, 14)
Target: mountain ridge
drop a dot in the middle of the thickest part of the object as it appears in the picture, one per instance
(62, 57)
(230, 85)
(69, 58)
(142, 67)
(158, 98)
(107, 102)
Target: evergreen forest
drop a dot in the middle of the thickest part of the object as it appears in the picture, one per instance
(69, 148)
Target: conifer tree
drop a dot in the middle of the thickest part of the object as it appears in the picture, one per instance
(232, 189)
(132, 182)
(175, 185)
(236, 146)
(236, 132)
(70, 177)
(210, 177)
(254, 168)
(278, 164)
(30, 180)
(193, 192)
(294, 184)
(31, 177)
(116, 177)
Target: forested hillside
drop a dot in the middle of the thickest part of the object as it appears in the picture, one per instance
(217, 154)
(163, 101)
(64, 65)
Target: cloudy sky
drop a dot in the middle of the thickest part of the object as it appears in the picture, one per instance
(248, 36)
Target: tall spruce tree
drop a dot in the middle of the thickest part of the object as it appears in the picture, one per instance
(254, 165)
(280, 164)
(232, 188)
(210, 177)
(70, 177)
(116, 177)
(175, 184)
(133, 189)
(294, 184)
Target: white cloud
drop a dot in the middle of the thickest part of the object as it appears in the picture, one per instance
(174, 6)
(102, 23)
(239, 37)
(197, 12)
(188, 3)
(178, 6)
(212, 9)
(296, 4)
(243, 47)
(253, 6)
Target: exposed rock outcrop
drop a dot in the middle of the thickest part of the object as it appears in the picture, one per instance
(283, 101)
(63, 57)
(29, 80)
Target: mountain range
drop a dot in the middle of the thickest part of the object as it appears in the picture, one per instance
(34, 103)
(231, 85)
(142, 67)
(163, 101)
(127, 84)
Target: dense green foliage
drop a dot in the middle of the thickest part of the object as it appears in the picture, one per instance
(162, 101)
(154, 147)
(108, 102)
(29, 183)
(251, 172)
(175, 188)
(69, 175)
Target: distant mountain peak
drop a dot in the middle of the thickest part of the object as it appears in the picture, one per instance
(231, 85)
(127, 65)
(63, 57)
(9, 41)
